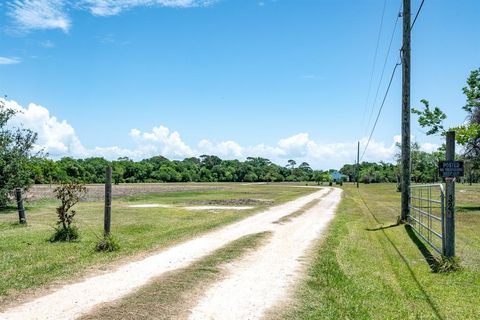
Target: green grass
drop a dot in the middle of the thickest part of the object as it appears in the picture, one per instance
(28, 260)
(368, 267)
(171, 295)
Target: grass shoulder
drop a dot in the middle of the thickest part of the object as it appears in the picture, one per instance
(369, 267)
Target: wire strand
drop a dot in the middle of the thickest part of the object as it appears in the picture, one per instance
(380, 110)
(416, 16)
(374, 61)
(384, 67)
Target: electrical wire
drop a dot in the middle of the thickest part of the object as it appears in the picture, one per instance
(388, 87)
(384, 67)
(416, 16)
(380, 110)
(374, 60)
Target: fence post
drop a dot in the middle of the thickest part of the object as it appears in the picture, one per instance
(108, 201)
(21, 210)
(450, 200)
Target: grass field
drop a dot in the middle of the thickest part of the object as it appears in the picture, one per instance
(370, 268)
(29, 260)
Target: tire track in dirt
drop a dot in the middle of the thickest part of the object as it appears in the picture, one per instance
(77, 299)
(264, 278)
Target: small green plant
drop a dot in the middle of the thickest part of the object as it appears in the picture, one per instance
(69, 194)
(107, 244)
(62, 234)
(444, 264)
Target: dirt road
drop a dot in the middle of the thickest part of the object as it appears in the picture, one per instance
(253, 293)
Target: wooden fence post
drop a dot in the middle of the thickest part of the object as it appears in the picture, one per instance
(21, 210)
(108, 201)
(450, 199)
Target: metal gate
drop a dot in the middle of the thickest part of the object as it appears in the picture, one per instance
(427, 214)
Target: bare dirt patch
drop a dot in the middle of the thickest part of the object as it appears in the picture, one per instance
(149, 205)
(96, 191)
(232, 202)
(218, 208)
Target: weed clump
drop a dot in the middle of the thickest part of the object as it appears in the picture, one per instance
(107, 244)
(61, 234)
(444, 265)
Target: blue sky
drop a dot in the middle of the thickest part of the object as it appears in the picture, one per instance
(275, 78)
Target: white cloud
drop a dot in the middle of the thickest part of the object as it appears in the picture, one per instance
(55, 137)
(58, 138)
(113, 7)
(39, 14)
(5, 60)
(53, 14)
(162, 141)
(227, 149)
(429, 147)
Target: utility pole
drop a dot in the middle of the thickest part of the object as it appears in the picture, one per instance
(405, 186)
(358, 161)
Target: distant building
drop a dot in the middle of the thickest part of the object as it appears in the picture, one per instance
(337, 176)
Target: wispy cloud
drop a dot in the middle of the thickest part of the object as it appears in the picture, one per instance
(38, 14)
(30, 15)
(47, 44)
(5, 60)
(311, 77)
(113, 7)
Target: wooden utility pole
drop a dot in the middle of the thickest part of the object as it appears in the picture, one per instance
(449, 250)
(108, 201)
(358, 162)
(405, 183)
(21, 210)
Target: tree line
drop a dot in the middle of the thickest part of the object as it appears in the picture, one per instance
(206, 168)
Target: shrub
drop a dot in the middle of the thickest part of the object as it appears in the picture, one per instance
(70, 233)
(68, 194)
(107, 244)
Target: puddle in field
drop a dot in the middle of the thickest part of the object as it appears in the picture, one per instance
(150, 205)
(217, 208)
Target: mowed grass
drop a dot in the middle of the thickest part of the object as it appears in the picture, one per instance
(367, 267)
(28, 260)
(170, 296)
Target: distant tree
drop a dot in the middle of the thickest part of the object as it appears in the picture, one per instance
(291, 164)
(16, 145)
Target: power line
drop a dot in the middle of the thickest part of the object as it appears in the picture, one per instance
(390, 82)
(416, 16)
(374, 60)
(384, 67)
(380, 110)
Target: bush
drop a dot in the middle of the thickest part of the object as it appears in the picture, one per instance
(69, 194)
(107, 244)
(70, 233)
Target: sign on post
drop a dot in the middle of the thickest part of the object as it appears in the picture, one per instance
(451, 169)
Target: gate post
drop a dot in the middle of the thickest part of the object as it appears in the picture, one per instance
(449, 250)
